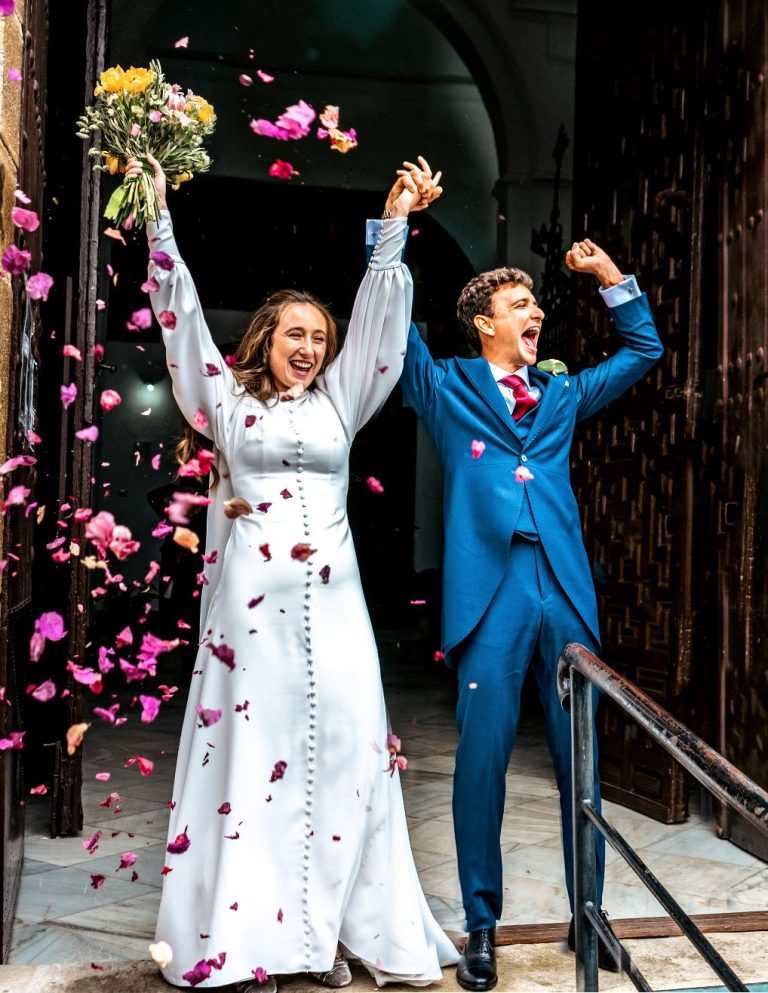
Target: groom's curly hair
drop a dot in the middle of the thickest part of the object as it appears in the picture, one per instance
(477, 297)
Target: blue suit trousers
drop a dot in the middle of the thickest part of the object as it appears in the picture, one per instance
(528, 622)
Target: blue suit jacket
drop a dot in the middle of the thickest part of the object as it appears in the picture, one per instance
(459, 401)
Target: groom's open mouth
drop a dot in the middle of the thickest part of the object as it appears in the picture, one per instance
(530, 336)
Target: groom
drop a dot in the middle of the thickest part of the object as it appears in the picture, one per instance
(517, 583)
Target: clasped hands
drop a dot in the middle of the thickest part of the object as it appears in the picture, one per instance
(415, 189)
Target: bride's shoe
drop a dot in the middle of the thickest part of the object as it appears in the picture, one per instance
(336, 977)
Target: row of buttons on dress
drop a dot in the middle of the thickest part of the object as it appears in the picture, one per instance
(311, 726)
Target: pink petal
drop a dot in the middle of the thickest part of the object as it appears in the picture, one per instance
(150, 706)
(208, 717)
(110, 399)
(325, 574)
(21, 196)
(103, 777)
(199, 421)
(14, 76)
(15, 462)
(150, 285)
(182, 42)
(301, 551)
(127, 860)
(179, 846)
(264, 549)
(97, 880)
(38, 790)
(477, 447)
(282, 170)
(39, 286)
(264, 76)
(72, 352)
(225, 654)
(16, 496)
(260, 975)
(255, 601)
(68, 395)
(279, 771)
(225, 808)
(51, 626)
(45, 691)
(523, 474)
(16, 260)
(374, 485)
(142, 318)
(245, 80)
(162, 260)
(167, 318)
(25, 219)
(93, 842)
(91, 433)
(198, 974)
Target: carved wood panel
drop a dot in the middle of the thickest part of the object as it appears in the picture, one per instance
(637, 465)
(739, 120)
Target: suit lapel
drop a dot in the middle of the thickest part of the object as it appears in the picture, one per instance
(479, 374)
(551, 389)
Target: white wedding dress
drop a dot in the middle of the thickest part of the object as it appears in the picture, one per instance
(297, 832)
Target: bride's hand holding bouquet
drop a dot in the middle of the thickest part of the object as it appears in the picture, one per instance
(139, 116)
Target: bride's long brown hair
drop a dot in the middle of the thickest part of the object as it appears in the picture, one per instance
(251, 366)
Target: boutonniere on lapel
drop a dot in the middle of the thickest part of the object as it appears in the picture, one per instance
(553, 366)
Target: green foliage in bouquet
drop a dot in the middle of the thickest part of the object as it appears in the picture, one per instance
(137, 112)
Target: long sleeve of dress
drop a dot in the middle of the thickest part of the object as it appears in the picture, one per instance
(201, 378)
(366, 370)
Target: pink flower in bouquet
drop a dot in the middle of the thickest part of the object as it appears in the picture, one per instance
(155, 116)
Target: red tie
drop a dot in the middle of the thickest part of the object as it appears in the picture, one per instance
(523, 399)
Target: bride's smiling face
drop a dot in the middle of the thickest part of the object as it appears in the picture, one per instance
(299, 343)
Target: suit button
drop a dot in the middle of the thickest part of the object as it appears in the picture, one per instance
(523, 458)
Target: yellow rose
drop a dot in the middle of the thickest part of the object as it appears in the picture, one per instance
(137, 80)
(112, 79)
(205, 111)
(113, 164)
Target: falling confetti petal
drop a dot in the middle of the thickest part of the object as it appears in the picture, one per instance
(374, 485)
(478, 447)
(523, 474)
(162, 954)
(27, 220)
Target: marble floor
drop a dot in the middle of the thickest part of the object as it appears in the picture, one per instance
(62, 918)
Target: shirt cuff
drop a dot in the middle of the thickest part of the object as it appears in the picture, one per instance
(621, 293)
(382, 237)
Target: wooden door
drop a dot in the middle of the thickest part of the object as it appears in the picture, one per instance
(638, 468)
(740, 175)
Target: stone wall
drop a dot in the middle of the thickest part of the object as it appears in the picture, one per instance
(11, 57)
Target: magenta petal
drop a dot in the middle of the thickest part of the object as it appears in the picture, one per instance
(68, 395)
(91, 433)
(279, 771)
(198, 975)
(179, 845)
(151, 285)
(162, 260)
(208, 717)
(51, 626)
(150, 706)
(374, 485)
(167, 318)
(15, 260)
(142, 318)
(110, 399)
(39, 286)
(25, 219)
(45, 691)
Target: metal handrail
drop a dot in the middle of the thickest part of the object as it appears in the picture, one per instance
(578, 670)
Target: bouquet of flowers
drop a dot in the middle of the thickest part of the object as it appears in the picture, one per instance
(137, 112)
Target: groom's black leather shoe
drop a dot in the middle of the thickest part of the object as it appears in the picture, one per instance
(477, 966)
(604, 958)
